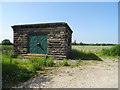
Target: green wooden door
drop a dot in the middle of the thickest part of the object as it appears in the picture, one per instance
(38, 44)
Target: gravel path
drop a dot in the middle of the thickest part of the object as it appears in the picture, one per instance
(102, 74)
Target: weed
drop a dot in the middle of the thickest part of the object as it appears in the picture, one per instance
(64, 63)
(49, 61)
(41, 62)
(38, 63)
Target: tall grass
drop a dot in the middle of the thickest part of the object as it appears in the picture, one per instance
(15, 71)
(113, 51)
(19, 71)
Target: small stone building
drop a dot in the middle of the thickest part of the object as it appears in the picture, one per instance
(52, 39)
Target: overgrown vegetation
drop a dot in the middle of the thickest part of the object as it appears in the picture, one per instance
(15, 70)
(6, 49)
(21, 69)
(41, 62)
(114, 51)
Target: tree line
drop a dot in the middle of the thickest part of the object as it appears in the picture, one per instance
(92, 44)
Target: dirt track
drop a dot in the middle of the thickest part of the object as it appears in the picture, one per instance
(103, 74)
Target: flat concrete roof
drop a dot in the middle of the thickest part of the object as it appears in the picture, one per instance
(41, 25)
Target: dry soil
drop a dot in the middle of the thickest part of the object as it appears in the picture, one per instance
(101, 74)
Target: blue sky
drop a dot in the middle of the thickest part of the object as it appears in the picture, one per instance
(91, 22)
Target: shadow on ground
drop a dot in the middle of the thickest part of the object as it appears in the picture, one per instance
(76, 54)
(13, 74)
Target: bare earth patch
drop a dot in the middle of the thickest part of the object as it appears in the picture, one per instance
(101, 74)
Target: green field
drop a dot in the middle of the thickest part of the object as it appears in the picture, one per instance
(90, 48)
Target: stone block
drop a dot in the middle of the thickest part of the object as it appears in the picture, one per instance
(58, 41)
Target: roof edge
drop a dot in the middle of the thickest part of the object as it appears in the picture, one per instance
(54, 23)
(42, 25)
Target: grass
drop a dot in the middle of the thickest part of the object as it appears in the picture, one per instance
(92, 49)
(6, 49)
(41, 62)
(64, 63)
(50, 62)
(113, 51)
(83, 55)
(84, 62)
(16, 70)
(99, 51)
(22, 70)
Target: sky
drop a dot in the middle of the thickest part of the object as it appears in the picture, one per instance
(91, 22)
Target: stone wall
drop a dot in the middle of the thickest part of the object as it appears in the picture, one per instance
(59, 38)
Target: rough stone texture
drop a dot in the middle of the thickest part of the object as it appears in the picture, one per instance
(59, 38)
